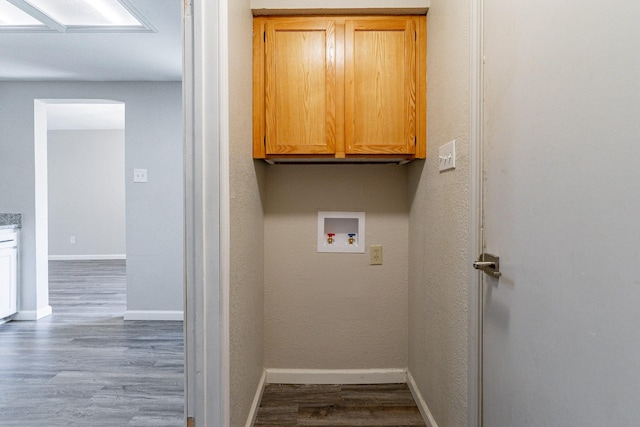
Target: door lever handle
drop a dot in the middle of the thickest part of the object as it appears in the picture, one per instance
(480, 265)
(490, 264)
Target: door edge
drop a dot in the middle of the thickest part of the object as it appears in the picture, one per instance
(474, 372)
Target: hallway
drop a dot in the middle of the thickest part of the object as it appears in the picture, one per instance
(84, 365)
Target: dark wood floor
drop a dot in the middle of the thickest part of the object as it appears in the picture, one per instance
(338, 405)
(84, 366)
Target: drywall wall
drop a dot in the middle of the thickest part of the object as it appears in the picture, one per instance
(154, 213)
(86, 193)
(334, 310)
(246, 182)
(438, 224)
(155, 225)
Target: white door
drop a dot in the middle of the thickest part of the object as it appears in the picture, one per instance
(561, 150)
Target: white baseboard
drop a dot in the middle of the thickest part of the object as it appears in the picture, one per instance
(86, 257)
(253, 412)
(427, 416)
(33, 314)
(336, 376)
(154, 315)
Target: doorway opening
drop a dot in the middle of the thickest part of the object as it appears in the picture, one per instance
(80, 187)
(86, 205)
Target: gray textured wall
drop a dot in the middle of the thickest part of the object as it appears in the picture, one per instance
(153, 115)
(335, 310)
(86, 192)
(246, 182)
(438, 224)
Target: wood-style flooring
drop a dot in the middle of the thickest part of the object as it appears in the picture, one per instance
(338, 405)
(85, 366)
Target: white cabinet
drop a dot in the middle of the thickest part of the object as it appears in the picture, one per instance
(8, 272)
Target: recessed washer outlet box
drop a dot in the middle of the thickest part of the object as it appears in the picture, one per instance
(341, 232)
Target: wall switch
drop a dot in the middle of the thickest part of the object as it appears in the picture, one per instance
(139, 175)
(447, 156)
(375, 253)
(72, 239)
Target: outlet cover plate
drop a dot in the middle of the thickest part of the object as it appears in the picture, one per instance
(139, 175)
(375, 254)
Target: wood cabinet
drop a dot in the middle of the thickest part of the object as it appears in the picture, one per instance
(8, 272)
(339, 87)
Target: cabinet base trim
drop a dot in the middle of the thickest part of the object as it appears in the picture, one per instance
(333, 160)
(33, 314)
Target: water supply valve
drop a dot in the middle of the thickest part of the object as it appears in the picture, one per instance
(330, 238)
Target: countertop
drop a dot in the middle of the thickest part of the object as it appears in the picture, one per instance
(10, 220)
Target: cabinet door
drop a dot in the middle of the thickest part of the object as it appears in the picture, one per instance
(8, 276)
(300, 86)
(380, 92)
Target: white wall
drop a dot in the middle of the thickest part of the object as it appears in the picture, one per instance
(154, 210)
(438, 224)
(86, 193)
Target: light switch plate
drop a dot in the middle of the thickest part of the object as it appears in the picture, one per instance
(139, 175)
(447, 156)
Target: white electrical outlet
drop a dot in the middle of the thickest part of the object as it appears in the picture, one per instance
(447, 156)
(72, 239)
(139, 175)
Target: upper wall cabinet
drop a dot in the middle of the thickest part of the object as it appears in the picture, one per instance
(347, 88)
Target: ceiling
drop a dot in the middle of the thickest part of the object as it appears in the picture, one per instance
(134, 56)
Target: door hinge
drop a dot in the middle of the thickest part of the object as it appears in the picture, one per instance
(191, 422)
(264, 37)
